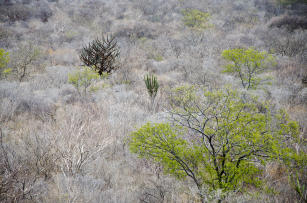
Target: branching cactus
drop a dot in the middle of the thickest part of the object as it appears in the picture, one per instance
(101, 55)
(152, 86)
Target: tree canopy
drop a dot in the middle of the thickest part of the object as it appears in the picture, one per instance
(247, 64)
(216, 138)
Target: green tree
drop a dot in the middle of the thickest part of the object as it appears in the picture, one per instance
(4, 60)
(196, 19)
(218, 139)
(82, 79)
(247, 64)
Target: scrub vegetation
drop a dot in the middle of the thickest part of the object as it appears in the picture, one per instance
(153, 101)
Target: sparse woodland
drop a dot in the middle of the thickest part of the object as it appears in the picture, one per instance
(153, 101)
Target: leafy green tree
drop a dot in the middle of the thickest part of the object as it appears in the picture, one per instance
(247, 64)
(4, 60)
(216, 139)
(82, 79)
(196, 19)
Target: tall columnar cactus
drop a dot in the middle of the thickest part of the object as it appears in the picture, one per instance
(152, 86)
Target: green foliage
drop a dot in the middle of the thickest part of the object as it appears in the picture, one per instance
(101, 55)
(296, 162)
(157, 57)
(4, 60)
(158, 141)
(82, 79)
(22, 59)
(152, 85)
(247, 64)
(219, 140)
(297, 176)
(196, 19)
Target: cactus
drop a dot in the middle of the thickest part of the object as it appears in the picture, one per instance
(101, 55)
(152, 86)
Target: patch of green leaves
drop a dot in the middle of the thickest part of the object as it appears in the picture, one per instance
(83, 78)
(247, 64)
(196, 19)
(217, 139)
(4, 60)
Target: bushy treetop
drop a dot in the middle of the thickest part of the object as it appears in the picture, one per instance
(217, 139)
(247, 64)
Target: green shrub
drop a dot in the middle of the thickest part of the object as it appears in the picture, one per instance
(196, 19)
(4, 60)
(247, 64)
(297, 169)
(82, 79)
(217, 140)
(157, 57)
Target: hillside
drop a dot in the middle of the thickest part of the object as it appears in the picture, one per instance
(206, 101)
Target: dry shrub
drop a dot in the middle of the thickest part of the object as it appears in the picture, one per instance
(138, 31)
(6, 35)
(17, 12)
(25, 166)
(276, 172)
(290, 22)
(43, 11)
(23, 12)
(281, 41)
(126, 74)
(17, 100)
(54, 77)
(148, 7)
(82, 135)
(290, 72)
(289, 75)
(24, 60)
(76, 189)
(84, 13)
(63, 56)
(39, 151)
(303, 96)
(269, 6)
(277, 179)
